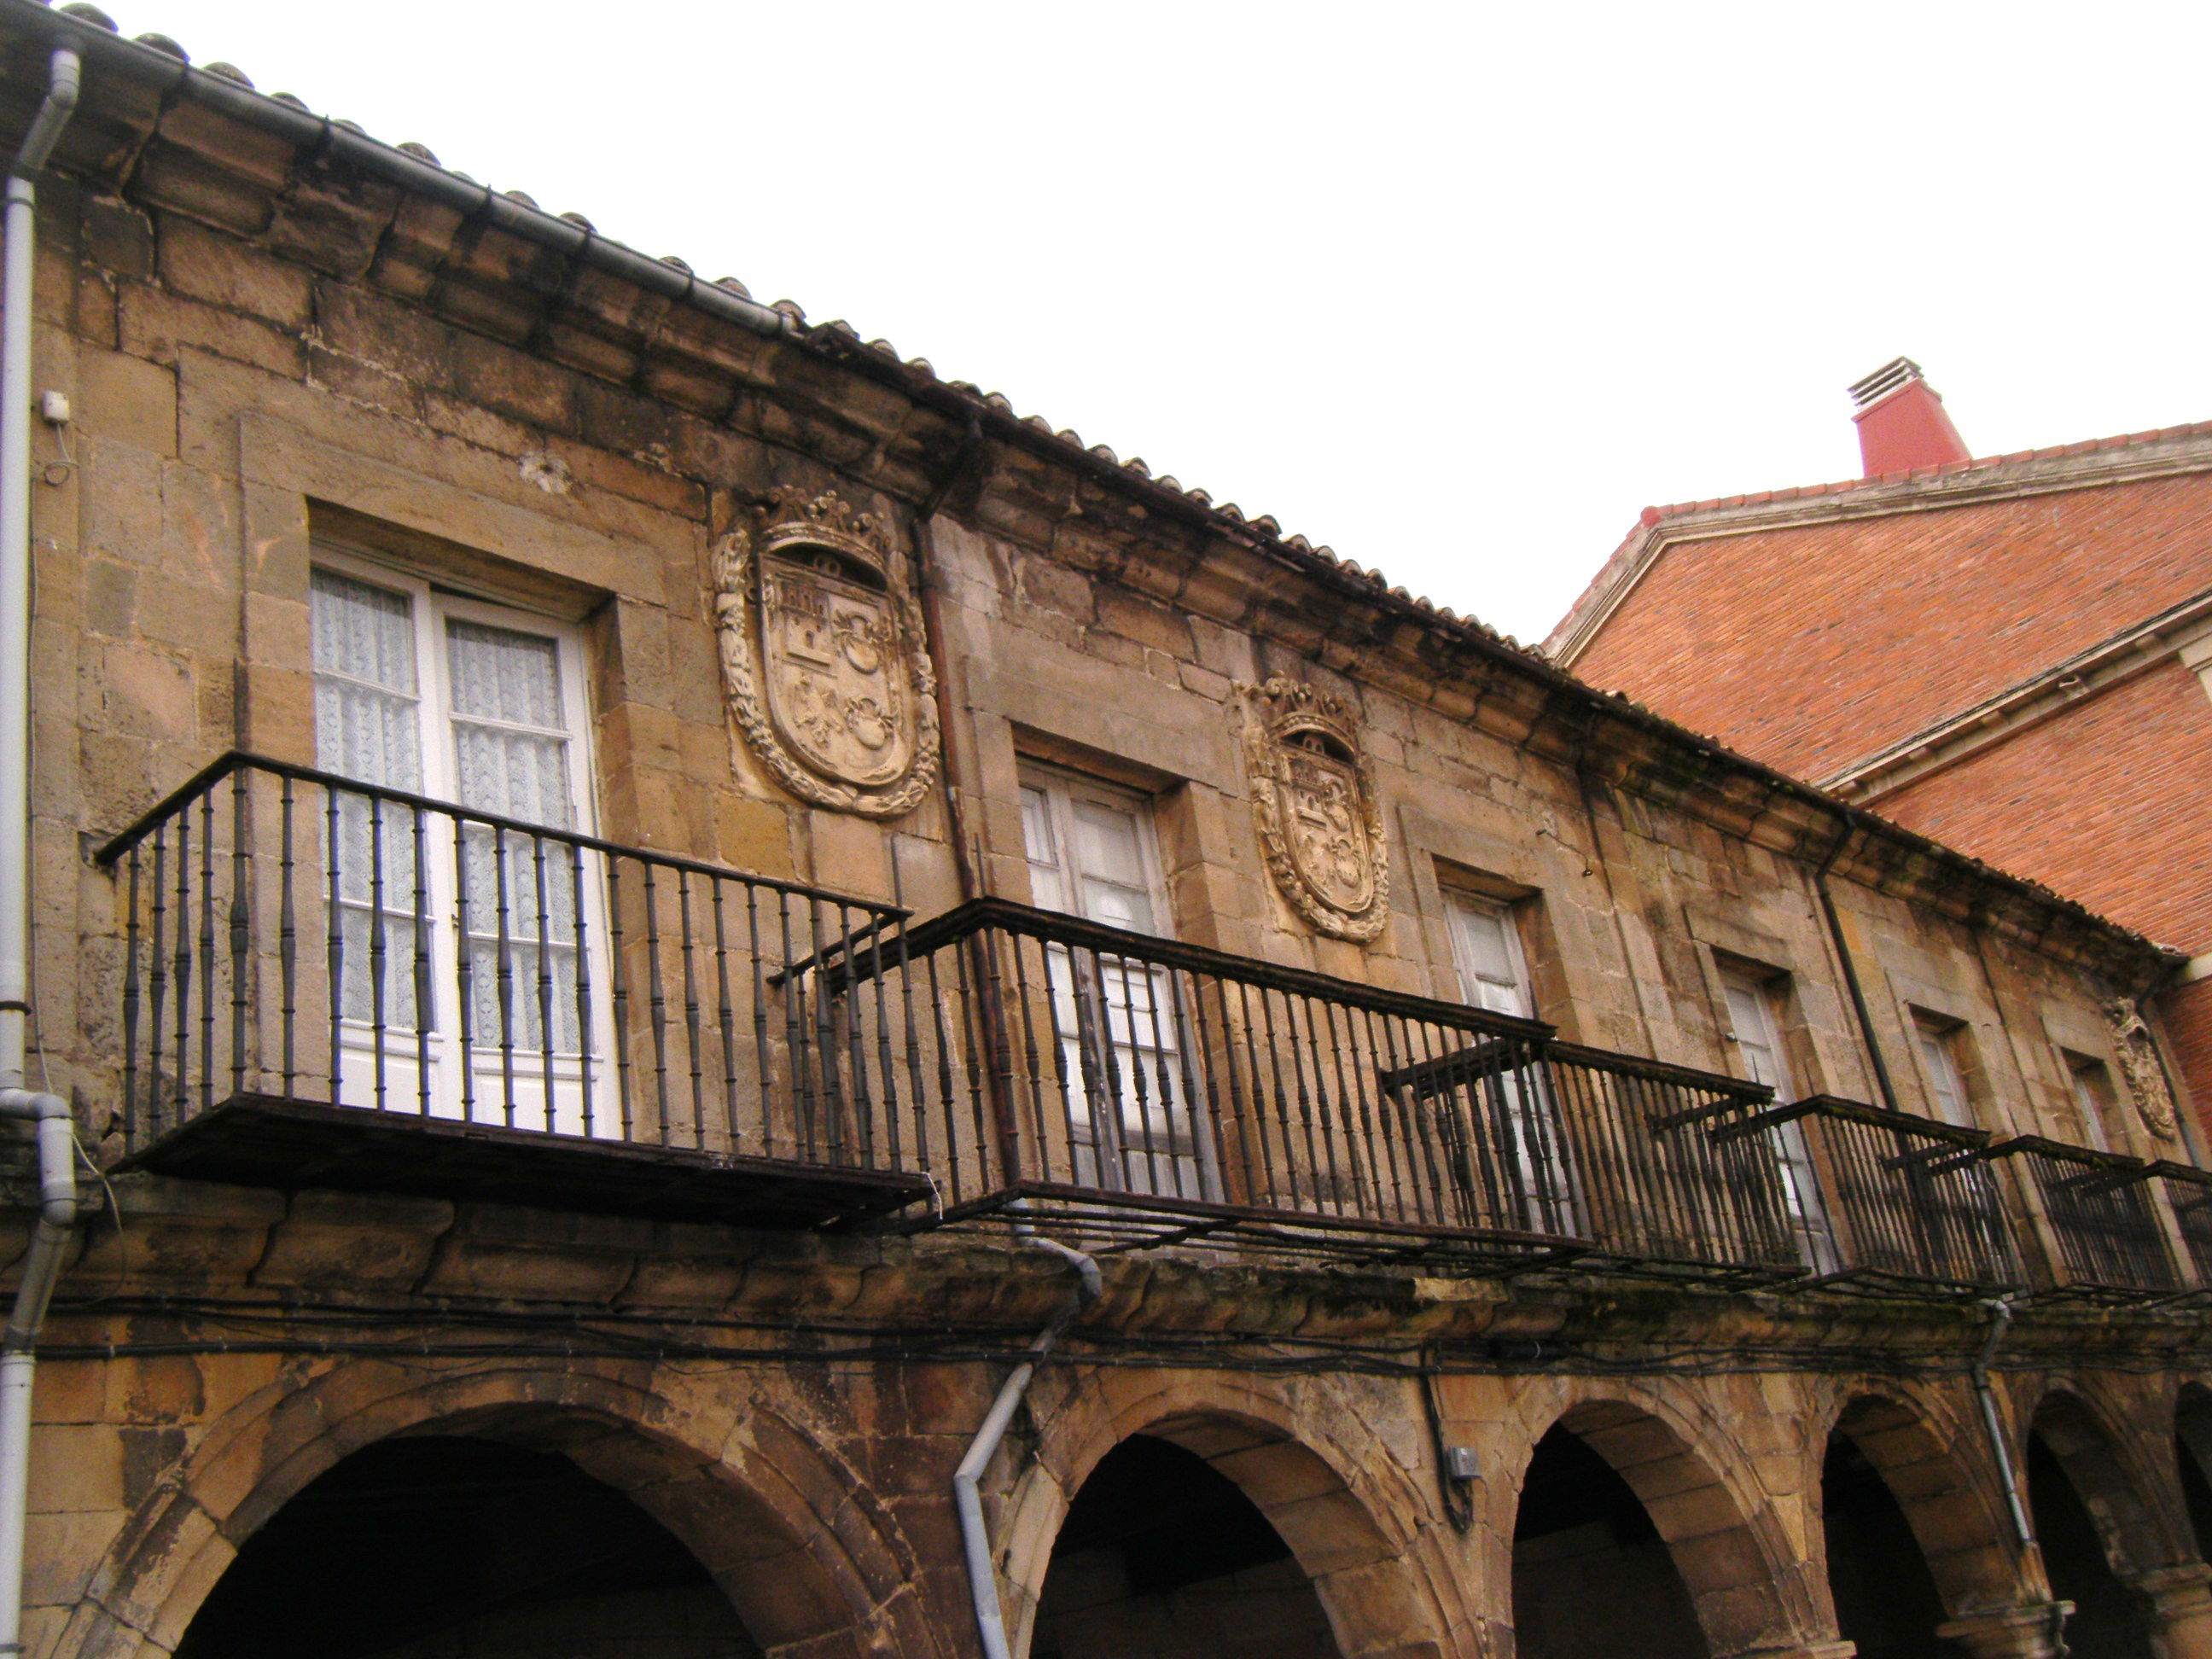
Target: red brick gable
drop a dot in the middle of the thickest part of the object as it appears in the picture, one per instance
(1812, 645)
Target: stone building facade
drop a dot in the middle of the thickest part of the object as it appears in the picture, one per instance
(631, 893)
(2007, 654)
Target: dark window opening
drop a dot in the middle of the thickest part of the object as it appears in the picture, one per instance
(2197, 1491)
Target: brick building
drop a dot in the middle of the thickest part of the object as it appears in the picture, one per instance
(2006, 654)
(731, 1001)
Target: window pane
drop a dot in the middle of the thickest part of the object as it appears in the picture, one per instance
(1037, 827)
(1755, 1035)
(1942, 1068)
(502, 675)
(363, 632)
(1110, 854)
(499, 674)
(1484, 935)
(1107, 844)
(1490, 966)
(366, 720)
(514, 774)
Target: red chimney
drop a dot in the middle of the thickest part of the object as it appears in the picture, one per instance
(1902, 425)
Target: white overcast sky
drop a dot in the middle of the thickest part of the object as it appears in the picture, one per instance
(1456, 290)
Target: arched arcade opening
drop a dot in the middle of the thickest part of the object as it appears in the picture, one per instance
(2089, 1518)
(1912, 1537)
(1161, 1553)
(1614, 1496)
(2192, 1456)
(1886, 1602)
(442, 1547)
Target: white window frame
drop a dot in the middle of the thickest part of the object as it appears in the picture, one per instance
(1552, 1199)
(2097, 1109)
(429, 609)
(1109, 1150)
(1061, 788)
(1935, 1039)
(1460, 904)
(1801, 1183)
(429, 606)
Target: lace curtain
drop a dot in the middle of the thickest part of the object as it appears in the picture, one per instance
(511, 758)
(368, 727)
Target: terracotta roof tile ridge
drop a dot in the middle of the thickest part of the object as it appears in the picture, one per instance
(1652, 515)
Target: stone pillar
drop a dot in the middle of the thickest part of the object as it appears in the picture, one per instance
(2179, 1622)
(2028, 1632)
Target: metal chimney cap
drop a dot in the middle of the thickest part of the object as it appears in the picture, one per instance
(1896, 373)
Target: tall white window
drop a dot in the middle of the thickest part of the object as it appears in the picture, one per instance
(435, 695)
(1493, 974)
(1091, 854)
(1937, 1040)
(1752, 1004)
(1486, 948)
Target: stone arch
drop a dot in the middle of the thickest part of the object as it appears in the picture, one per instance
(1954, 1505)
(1747, 1582)
(1339, 1499)
(807, 1561)
(2105, 1466)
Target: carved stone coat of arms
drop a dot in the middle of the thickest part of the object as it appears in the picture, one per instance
(1313, 795)
(824, 657)
(2137, 1052)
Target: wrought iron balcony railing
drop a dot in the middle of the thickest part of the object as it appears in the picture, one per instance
(1112, 1073)
(2189, 1194)
(290, 934)
(1889, 1198)
(491, 990)
(2102, 1219)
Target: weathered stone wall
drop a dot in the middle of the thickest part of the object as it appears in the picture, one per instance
(233, 407)
(242, 1347)
(366, 368)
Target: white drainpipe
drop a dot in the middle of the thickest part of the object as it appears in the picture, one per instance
(42, 1265)
(16, 566)
(975, 1535)
(42, 1262)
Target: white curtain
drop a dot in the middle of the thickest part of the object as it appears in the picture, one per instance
(368, 727)
(511, 758)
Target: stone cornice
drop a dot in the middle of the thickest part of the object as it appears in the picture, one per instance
(317, 193)
(199, 1259)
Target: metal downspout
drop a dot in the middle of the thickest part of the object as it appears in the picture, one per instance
(974, 1534)
(42, 1267)
(2001, 1307)
(1851, 971)
(56, 1134)
(15, 303)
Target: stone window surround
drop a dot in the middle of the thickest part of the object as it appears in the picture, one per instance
(1726, 947)
(1440, 854)
(300, 492)
(1983, 1043)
